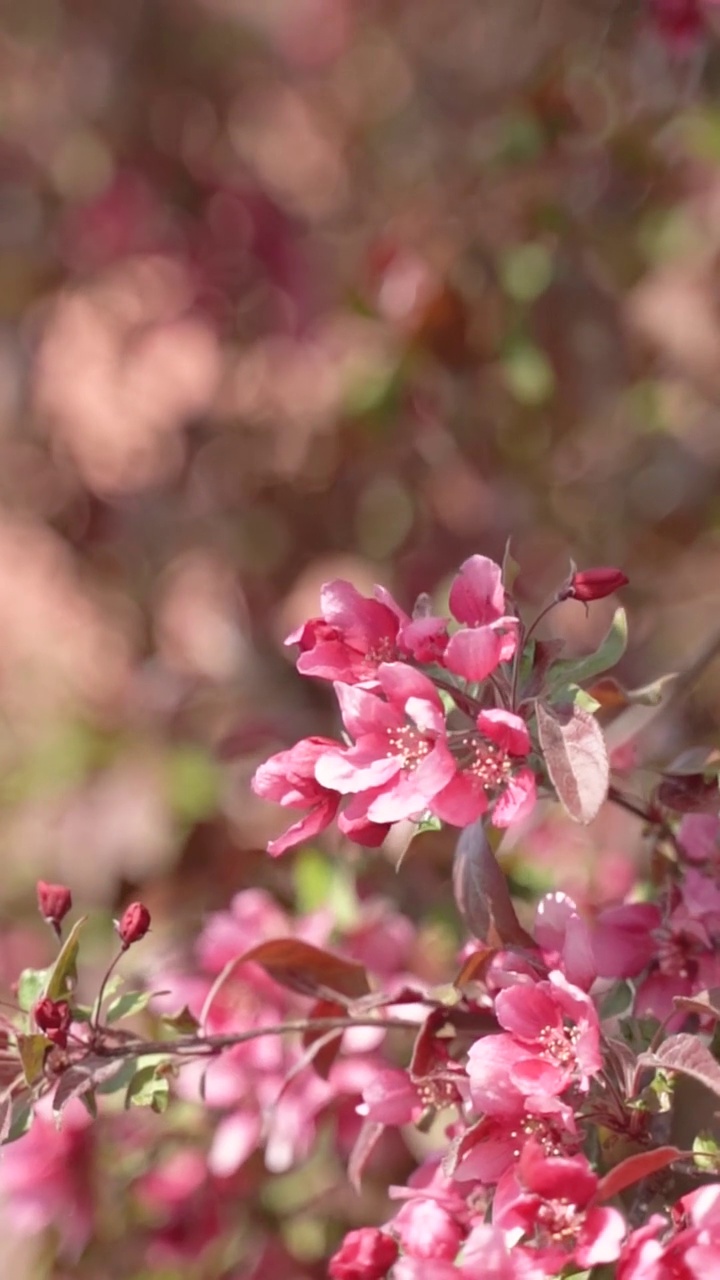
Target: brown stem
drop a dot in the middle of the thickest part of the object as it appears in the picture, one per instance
(208, 1046)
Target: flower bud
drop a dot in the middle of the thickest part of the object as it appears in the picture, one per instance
(366, 1254)
(134, 924)
(53, 1017)
(54, 901)
(593, 584)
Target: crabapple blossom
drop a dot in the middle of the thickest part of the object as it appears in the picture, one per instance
(488, 634)
(487, 775)
(400, 758)
(550, 1200)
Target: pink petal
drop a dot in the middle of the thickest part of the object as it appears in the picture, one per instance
(461, 802)
(305, 828)
(401, 682)
(364, 712)
(476, 595)
(412, 792)
(358, 768)
(526, 1011)
(236, 1137)
(506, 730)
(601, 1237)
(517, 801)
(473, 654)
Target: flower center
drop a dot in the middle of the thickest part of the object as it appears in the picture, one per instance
(559, 1220)
(488, 764)
(410, 744)
(558, 1044)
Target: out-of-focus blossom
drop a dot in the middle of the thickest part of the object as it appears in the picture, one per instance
(365, 1254)
(47, 1177)
(54, 902)
(148, 369)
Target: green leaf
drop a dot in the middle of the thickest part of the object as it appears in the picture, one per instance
(63, 974)
(320, 882)
(31, 986)
(428, 823)
(21, 1121)
(578, 670)
(616, 1001)
(183, 1023)
(148, 1088)
(128, 1004)
(706, 1152)
(32, 1051)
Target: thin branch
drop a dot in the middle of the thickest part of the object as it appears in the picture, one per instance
(208, 1046)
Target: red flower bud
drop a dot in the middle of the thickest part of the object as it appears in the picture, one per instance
(366, 1254)
(134, 924)
(53, 1017)
(54, 901)
(594, 584)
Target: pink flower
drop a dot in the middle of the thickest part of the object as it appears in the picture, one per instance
(552, 1040)
(366, 1254)
(685, 956)
(565, 939)
(689, 1253)
(551, 1201)
(400, 759)
(288, 778)
(489, 636)
(492, 1146)
(679, 23)
(426, 1230)
(699, 835)
(622, 939)
(487, 776)
(391, 1098)
(355, 635)
(47, 1177)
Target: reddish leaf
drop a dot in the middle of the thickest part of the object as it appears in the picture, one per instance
(324, 1057)
(576, 757)
(688, 1055)
(633, 1170)
(688, 793)
(482, 893)
(307, 969)
(365, 1143)
(704, 1003)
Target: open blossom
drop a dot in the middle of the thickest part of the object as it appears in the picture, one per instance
(690, 1252)
(551, 1201)
(356, 634)
(488, 635)
(492, 1146)
(400, 759)
(551, 1039)
(289, 779)
(427, 1230)
(680, 949)
(490, 774)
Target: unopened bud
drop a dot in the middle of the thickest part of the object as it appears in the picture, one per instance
(54, 901)
(134, 924)
(593, 584)
(53, 1018)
